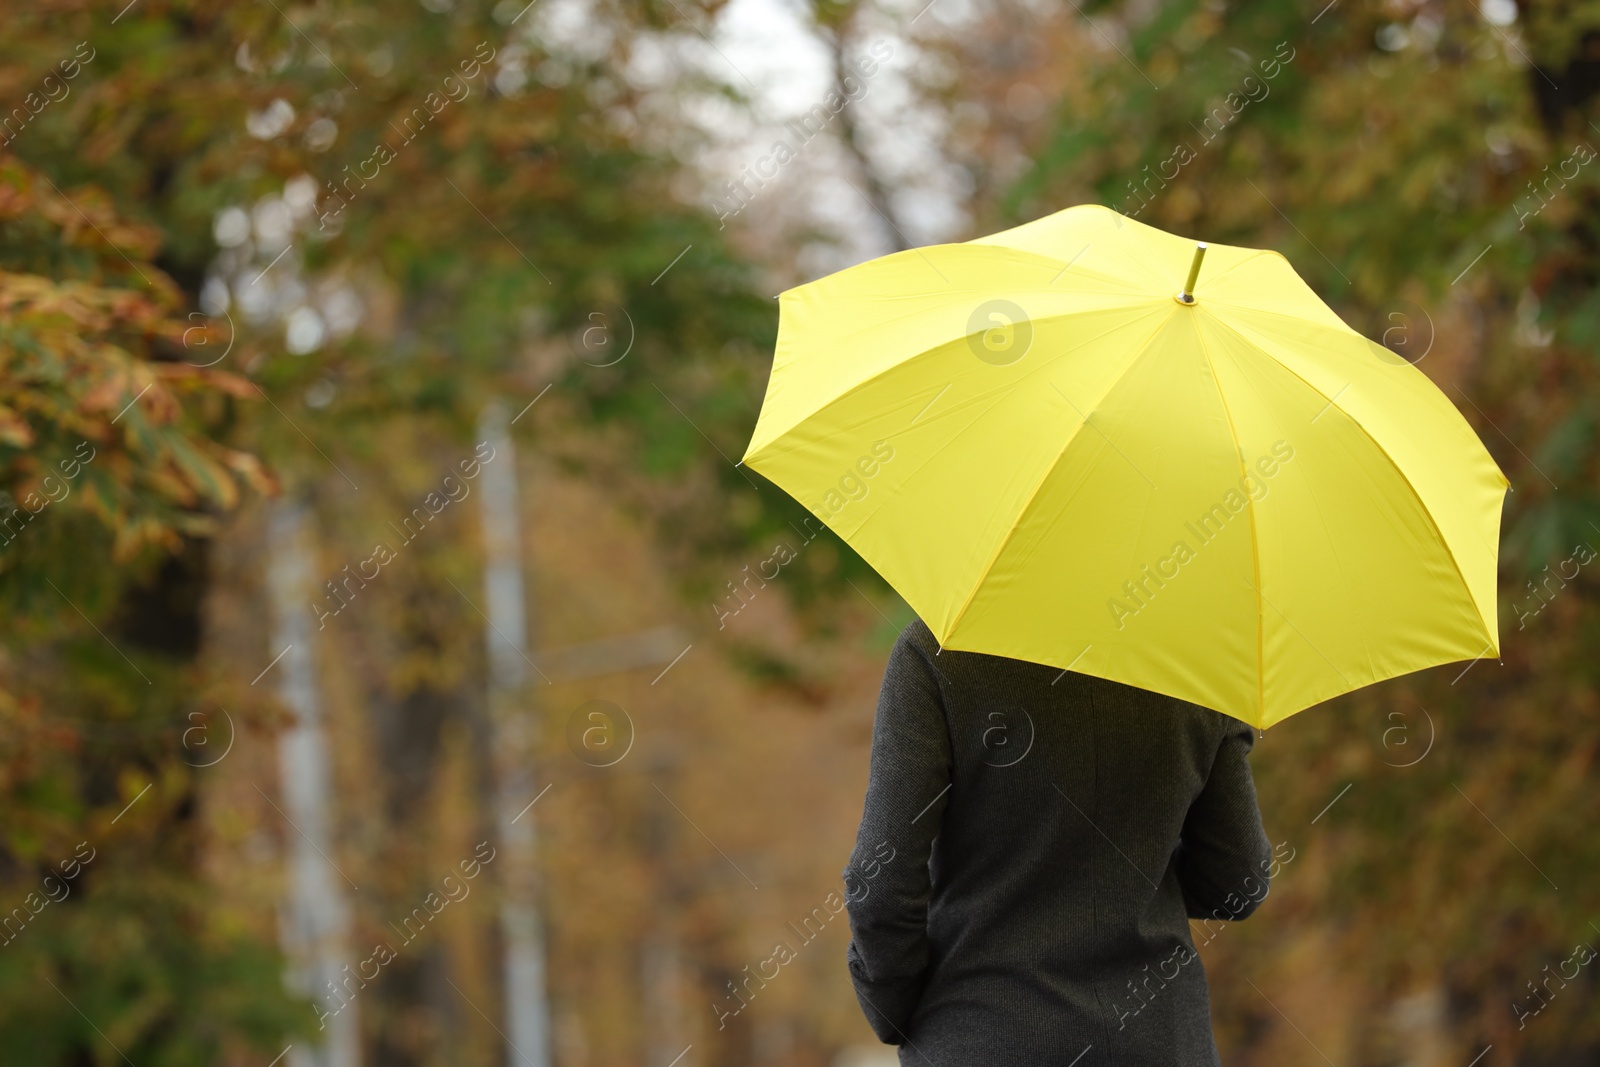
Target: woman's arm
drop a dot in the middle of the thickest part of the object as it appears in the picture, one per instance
(1223, 855)
(887, 884)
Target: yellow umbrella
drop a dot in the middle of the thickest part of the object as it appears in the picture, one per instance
(1056, 450)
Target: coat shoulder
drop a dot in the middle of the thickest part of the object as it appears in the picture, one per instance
(918, 636)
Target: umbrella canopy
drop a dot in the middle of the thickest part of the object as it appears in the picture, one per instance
(1055, 451)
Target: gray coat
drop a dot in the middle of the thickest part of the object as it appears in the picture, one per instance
(1033, 846)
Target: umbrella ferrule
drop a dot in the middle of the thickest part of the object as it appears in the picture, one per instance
(1187, 296)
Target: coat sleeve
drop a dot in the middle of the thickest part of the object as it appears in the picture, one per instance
(1224, 859)
(887, 884)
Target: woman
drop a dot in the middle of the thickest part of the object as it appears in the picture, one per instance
(1033, 846)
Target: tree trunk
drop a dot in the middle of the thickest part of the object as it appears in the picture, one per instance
(316, 920)
(506, 632)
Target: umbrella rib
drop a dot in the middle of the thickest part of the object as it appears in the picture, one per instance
(1033, 495)
(1434, 396)
(1422, 504)
(1255, 537)
(1132, 299)
(769, 448)
(874, 515)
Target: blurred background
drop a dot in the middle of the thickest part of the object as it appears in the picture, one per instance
(397, 669)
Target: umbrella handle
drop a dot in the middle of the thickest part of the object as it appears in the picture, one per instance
(1187, 296)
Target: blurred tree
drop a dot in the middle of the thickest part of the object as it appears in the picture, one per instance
(107, 473)
(383, 214)
(386, 213)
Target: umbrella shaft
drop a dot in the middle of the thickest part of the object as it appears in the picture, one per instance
(1194, 272)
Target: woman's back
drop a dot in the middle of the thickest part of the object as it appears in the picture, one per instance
(1033, 845)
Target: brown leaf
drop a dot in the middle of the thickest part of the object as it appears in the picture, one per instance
(14, 429)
